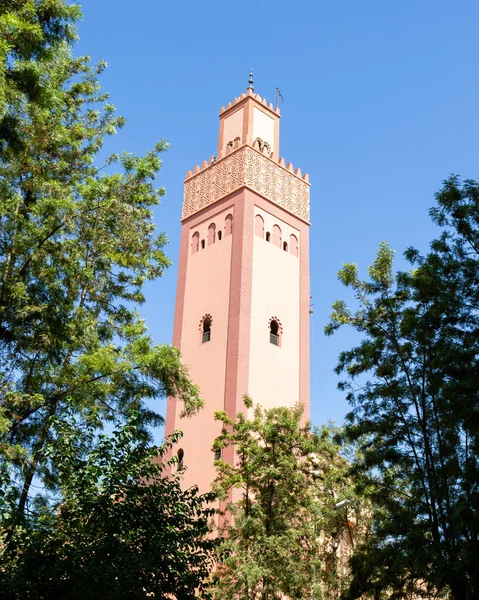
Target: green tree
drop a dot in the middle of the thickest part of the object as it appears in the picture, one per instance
(281, 531)
(120, 528)
(77, 244)
(30, 33)
(343, 512)
(413, 383)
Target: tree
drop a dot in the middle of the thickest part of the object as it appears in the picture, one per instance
(281, 531)
(343, 514)
(77, 244)
(30, 33)
(119, 529)
(413, 385)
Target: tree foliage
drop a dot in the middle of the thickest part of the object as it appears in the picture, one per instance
(30, 33)
(413, 383)
(342, 519)
(119, 529)
(281, 531)
(77, 244)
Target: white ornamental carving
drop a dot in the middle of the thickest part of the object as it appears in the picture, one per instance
(247, 167)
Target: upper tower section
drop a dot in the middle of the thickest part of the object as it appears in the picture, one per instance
(250, 120)
(248, 156)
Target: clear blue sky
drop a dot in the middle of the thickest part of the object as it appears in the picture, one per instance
(381, 104)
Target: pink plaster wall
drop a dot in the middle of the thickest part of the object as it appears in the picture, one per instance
(300, 299)
(207, 284)
(241, 281)
(274, 370)
(233, 126)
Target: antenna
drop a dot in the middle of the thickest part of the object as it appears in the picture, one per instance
(278, 95)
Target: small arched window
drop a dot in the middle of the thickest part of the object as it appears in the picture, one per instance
(220, 235)
(228, 225)
(259, 226)
(274, 332)
(180, 455)
(211, 234)
(293, 245)
(277, 235)
(202, 244)
(285, 246)
(195, 242)
(206, 330)
(268, 236)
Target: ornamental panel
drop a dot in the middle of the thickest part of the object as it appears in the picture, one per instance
(247, 167)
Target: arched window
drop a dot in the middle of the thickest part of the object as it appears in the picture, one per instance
(228, 225)
(277, 235)
(285, 246)
(220, 234)
(180, 455)
(293, 245)
(259, 226)
(274, 332)
(202, 244)
(268, 236)
(195, 242)
(211, 234)
(206, 329)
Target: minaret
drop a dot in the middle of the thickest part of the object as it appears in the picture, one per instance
(242, 303)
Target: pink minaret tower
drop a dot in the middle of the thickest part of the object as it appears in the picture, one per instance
(242, 303)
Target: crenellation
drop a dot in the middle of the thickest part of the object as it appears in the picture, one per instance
(250, 94)
(234, 145)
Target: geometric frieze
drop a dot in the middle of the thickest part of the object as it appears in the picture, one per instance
(247, 166)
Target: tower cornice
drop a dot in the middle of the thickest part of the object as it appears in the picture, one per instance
(246, 166)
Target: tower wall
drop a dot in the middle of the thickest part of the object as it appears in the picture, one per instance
(279, 376)
(204, 282)
(274, 370)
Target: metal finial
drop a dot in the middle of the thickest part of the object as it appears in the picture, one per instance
(250, 80)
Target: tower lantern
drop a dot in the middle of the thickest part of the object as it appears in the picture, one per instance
(242, 303)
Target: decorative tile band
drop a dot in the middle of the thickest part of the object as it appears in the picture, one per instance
(247, 167)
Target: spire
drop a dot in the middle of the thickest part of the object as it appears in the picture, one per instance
(250, 81)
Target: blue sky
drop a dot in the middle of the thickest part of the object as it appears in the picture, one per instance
(380, 105)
